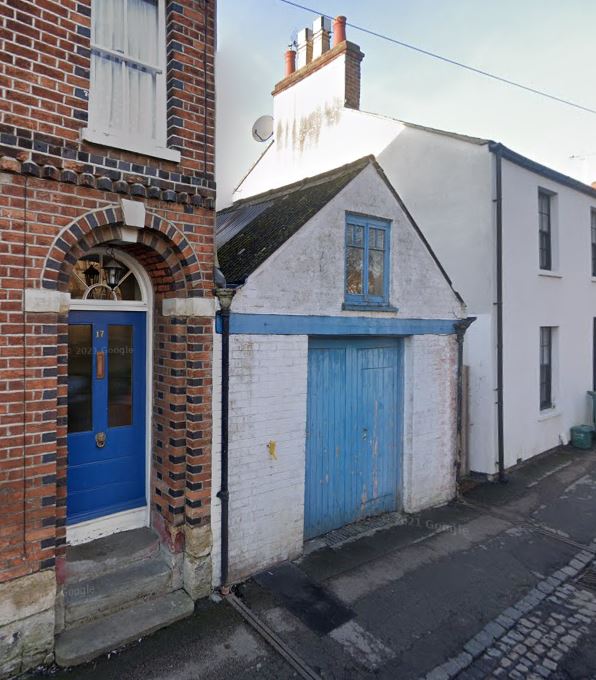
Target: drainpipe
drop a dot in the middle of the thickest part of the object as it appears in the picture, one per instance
(225, 297)
(460, 330)
(499, 304)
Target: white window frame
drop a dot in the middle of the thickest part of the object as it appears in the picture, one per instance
(554, 270)
(157, 148)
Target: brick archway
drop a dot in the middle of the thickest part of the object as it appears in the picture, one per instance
(181, 420)
(97, 227)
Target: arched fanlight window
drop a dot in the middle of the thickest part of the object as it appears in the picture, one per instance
(102, 276)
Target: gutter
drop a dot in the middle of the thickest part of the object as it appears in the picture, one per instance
(498, 150)
(539, 169)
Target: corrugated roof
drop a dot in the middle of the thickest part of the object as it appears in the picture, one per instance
(252, 229)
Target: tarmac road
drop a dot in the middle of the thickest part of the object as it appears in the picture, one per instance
(403, 601)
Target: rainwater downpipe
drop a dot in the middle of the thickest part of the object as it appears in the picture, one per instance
(225, 297)
(499, 304)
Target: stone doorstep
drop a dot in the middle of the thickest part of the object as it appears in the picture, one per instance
(110, 592)
(85, 642)
(110, 553)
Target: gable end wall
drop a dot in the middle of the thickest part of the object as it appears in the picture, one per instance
(268, 381)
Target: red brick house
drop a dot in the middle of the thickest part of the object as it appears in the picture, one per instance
(106, 314)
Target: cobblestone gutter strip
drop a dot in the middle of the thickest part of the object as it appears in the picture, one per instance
(529, 638)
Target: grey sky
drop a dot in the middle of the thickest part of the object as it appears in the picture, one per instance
(547, 44)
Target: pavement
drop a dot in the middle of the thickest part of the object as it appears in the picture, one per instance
(497, 584)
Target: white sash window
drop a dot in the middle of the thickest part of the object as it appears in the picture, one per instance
(127, 98)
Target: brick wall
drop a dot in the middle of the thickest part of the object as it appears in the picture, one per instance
(349, 55)
(430, 426)
(33, 368)
(353, 76)
(268, 376)
(60, 196)
(44, 85)
(267, 403)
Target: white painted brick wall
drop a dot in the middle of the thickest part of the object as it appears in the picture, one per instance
(267, 403)
(269, 375)
(430, 426)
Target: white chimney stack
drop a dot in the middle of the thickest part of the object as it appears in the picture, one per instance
(304, 51)
(321, 29)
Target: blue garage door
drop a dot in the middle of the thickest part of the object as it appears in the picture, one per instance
(354, 430)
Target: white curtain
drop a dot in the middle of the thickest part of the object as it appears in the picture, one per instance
(123, 95)
(142, 45)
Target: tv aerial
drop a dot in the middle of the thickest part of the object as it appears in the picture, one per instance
(262, 130)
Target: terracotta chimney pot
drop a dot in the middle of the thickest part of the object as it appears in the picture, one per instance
(290, 62)
(339, 30)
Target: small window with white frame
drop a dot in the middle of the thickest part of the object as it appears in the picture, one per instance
(127, 98)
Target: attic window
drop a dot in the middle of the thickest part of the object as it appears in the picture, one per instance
(367, 261)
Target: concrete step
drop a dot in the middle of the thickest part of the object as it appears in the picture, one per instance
(85, 642)
(110, 553)
(114, 590)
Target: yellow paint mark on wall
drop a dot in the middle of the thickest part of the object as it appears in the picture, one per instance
(272, 448)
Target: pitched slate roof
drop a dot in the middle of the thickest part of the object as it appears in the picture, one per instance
(514, 157)
(507, 154)
(251, 230)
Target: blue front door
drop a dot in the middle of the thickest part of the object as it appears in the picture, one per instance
(106, 413)
(353, 430)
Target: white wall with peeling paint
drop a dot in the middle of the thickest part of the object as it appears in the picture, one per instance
(448, 184)
(315, 138)
(268, 375)
(306, 274)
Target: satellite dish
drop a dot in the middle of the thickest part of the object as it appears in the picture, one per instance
(262, 130)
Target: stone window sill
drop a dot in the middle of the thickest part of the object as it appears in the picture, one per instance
(355, 307)
(549, 274)
(126, 144)
(549, 413)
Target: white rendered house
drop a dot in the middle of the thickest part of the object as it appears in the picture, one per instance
(517, 239)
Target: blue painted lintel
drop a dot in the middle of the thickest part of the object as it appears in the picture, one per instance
(286, 324)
